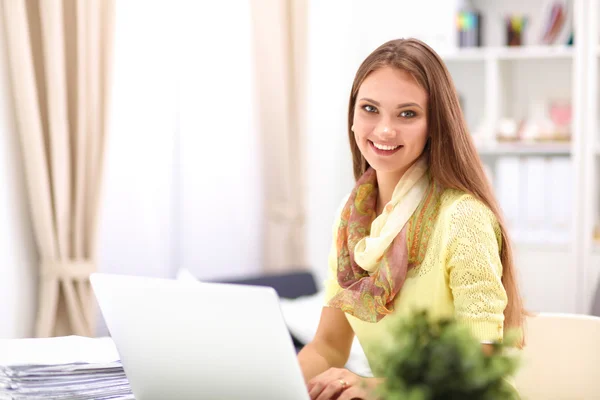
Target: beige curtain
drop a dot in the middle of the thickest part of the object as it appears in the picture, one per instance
(279, 38)
(59, 53)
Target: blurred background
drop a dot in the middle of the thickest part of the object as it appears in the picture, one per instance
(212, 137)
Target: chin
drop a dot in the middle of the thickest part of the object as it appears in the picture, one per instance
(391, 167)
(382, 166)
(387, 169)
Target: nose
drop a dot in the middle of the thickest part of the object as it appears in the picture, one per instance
(385, 131)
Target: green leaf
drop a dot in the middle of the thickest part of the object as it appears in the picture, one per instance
(431, 359)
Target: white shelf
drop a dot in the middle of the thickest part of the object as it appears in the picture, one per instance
(509, 53)
(535, 52)
(526, 149)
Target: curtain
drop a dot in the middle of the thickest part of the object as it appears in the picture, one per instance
(280, 36)
(59, 53)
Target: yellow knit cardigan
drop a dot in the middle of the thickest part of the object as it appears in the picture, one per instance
(460, 274)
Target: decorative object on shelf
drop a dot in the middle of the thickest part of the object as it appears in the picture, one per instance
(554, 24)
(508, 130)
(547, 122)
(515, 25)
(561, 115)
(430, 359)
(469, 26)
(537, 126)
(557, 26)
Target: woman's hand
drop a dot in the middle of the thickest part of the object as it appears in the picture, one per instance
(340, 384)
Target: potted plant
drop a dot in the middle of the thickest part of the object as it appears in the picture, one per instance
(434, 359)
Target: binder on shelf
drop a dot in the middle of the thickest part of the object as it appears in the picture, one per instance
(508, 191)
(560, 197)
(535, 210)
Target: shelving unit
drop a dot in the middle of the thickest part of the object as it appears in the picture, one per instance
(498, 82)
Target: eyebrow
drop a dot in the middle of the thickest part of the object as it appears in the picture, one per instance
(403, 105)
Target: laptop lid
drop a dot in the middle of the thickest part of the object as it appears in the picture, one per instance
(191, 340)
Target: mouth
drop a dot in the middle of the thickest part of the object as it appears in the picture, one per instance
(383, 149)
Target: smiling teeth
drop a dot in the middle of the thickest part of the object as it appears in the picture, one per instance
(384, 147)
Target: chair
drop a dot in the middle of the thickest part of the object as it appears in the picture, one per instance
(290, 285)
(561, 359)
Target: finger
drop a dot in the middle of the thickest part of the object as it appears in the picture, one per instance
(316, 390)
(318, 383)
(353, 393)
(323, 376)
(332, 390)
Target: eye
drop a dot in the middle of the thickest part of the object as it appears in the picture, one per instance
(369, 108)
(407, 114)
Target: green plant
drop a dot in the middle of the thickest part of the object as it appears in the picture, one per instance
(434, 359)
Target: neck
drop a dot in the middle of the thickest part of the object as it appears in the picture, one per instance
(386, 183)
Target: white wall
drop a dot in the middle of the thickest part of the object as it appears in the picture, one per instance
(183, 185)
(220, 189)
(547, 280)
(136, 222)
(136, 229)
(331, 67)
(17, 249)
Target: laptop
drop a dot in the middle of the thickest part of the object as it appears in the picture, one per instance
(193, 340)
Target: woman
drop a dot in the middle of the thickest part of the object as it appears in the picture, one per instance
(421, 229)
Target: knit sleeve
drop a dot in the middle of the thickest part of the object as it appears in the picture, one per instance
(332, 286)
(475, 269)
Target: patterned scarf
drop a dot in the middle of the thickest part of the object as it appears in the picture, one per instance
(375, 254)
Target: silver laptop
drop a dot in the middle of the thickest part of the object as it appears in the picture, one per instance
(192, 340)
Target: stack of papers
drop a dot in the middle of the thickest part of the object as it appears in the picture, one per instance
(69, 367)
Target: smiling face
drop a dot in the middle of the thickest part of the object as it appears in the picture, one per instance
(390, 120)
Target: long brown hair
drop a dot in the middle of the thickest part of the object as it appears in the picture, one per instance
(453, 158)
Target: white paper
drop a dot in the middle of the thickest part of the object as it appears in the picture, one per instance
(60, 350)
(69, 367)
